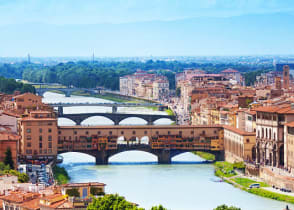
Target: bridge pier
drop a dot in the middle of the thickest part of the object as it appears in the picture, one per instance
(60, 111)
(220, 156)
(101, 158)
(67, 94)
(114, 109)
(164, 157)
(150, 122)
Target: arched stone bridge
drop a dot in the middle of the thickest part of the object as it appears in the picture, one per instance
(164, 156)
(68, 91)
(115, 117)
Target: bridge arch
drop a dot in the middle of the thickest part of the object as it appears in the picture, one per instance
(98, 119)
(133, 156)
(133, 121)
(71, 157)
(65, 121)
(163, 121)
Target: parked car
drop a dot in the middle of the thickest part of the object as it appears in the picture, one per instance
(255, 185)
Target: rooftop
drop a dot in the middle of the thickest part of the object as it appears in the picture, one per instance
(238, 131)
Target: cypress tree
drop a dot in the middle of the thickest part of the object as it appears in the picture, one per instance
(8, 158)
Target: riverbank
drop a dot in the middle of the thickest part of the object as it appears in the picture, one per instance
(227, 172)
(60, 175)
(205, 155)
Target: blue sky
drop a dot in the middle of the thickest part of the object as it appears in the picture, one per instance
(78, 27)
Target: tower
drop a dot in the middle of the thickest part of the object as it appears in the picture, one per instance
(278, 83)
(286, 76)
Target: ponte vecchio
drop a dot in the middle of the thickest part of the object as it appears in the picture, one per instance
(165, 142)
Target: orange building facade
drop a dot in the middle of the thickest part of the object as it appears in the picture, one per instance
(38, 132)
(8, 140)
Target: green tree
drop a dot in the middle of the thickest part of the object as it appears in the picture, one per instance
(8, 158)
(225, 207)
(111, 202)
(23, 178)
(4, 167)
(160, 207)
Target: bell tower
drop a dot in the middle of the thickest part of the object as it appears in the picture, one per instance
(286, 76)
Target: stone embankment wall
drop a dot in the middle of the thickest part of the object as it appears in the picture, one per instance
(276, 178)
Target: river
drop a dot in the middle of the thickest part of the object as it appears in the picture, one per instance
(187, 184)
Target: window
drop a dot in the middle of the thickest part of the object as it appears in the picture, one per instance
(110, 132)
(49, 151)
(247, 140)
(49, 138)
(50, 145)
(29, 137)
(99, 132)
(50, 123)
(192, 132)
(249, 118)
(157, 132)
(45, 151)
(122, 133)
(87, 132)
(29, 151)
(145, 132)
(203, 132)
(40, 145)
(40, 130)
(49, 130)
(29, 144)
(134, 132)
(168, 132)
(28, 130)
(40, 138)
(180, 133)
(75, 132)
(59, 132)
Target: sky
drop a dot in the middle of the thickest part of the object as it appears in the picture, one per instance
(145, 27)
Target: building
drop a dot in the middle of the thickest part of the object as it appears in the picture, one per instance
(233, 75)
(84, 189)
(27, 101)
(270, 138)
(145, 85)
(239, 145)
(286, 77)
(9, 141)
(38, 131)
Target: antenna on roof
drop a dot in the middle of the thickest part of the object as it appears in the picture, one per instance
(93, 58)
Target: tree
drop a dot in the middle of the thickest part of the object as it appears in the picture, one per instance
(23, 178)
(111, 202)
(8, 158)
(225, 207)
(160, 207)
(4, 167)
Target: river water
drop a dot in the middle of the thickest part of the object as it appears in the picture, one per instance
(187, 184)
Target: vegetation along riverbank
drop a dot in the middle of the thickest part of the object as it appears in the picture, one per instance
(230, 174)
(60, 175)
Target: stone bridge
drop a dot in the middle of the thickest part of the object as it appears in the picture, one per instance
(68, 91)
(115, 117)
(164, 156)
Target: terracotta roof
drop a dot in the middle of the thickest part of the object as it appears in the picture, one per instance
(282, 109)
(25, 94)
(11, 114)
(32, 204)
(37, 119)
(290, 124)
(8, 136)
(19, 197)
(238, 131)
